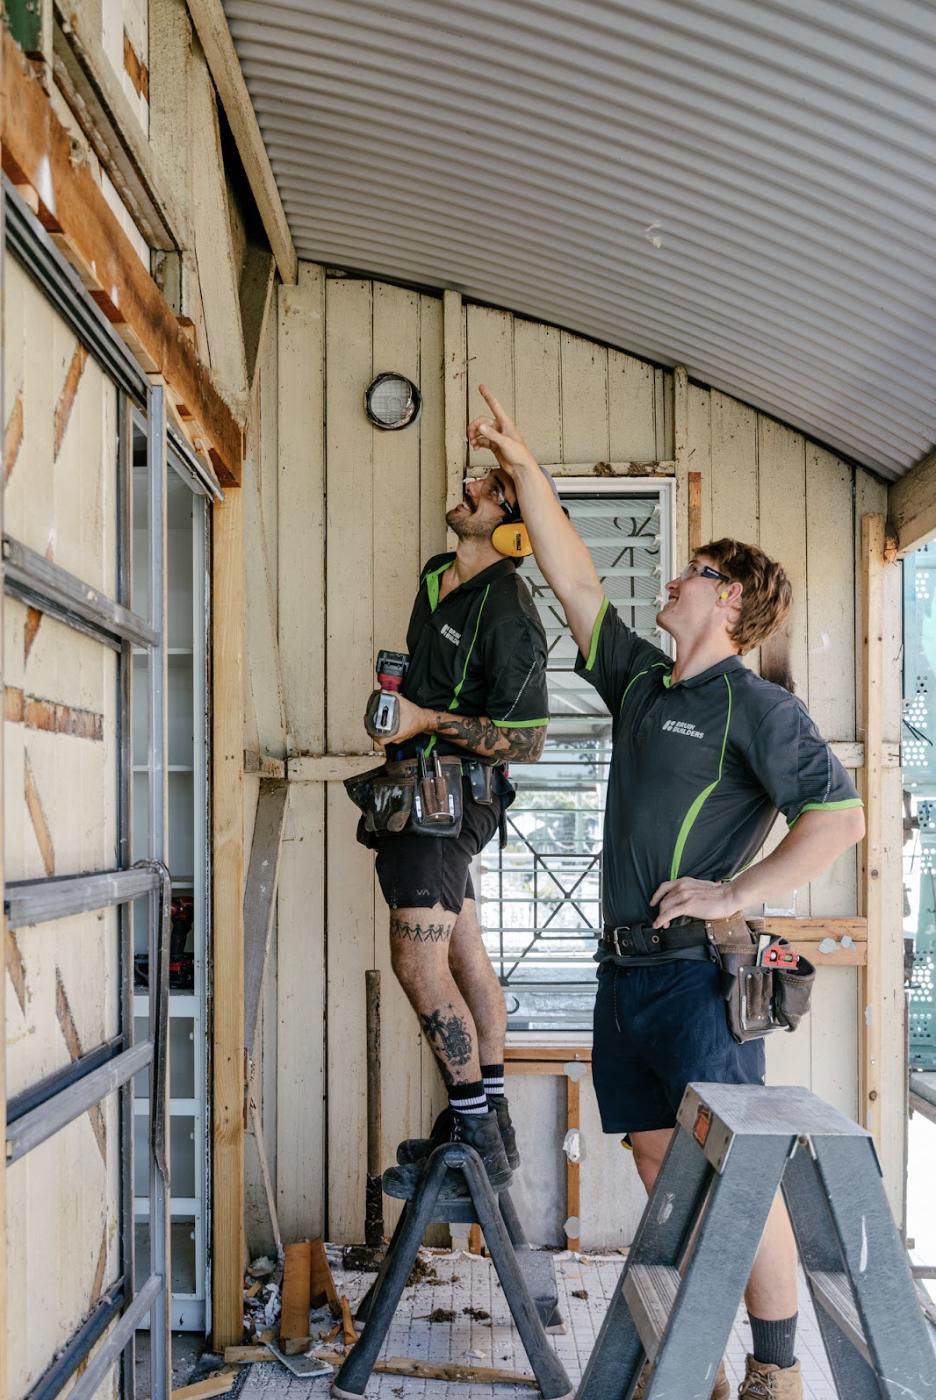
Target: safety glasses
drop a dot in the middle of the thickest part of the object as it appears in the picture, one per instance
(490, 486)
(697, 570)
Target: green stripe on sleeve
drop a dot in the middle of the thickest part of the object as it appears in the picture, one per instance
(432, 585)
(826, 807)
(596, 629)
(520, 723)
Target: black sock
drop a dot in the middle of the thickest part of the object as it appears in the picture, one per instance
(492, 1077)
(772, 1342)
(468, 1098)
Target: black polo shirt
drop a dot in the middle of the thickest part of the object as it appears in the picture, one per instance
(480, 650)
(699, 769)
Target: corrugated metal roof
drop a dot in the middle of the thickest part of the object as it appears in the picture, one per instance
(744, 187)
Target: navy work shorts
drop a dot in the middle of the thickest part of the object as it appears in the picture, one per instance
(418, 872)
(658, 1029)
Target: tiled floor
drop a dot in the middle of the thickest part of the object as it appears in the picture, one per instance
(468, 1281)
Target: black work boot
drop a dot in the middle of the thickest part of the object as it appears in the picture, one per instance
(477, 1130)
(416, 1149)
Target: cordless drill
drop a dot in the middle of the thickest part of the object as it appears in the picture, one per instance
(383, 711)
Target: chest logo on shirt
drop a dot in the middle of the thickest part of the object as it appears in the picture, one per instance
(683, 726)
(450, 634)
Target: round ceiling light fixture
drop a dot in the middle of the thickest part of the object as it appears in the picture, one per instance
(392, 401)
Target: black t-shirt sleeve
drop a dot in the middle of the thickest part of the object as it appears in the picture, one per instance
(615, 656)
(515, 662)
(794, 764)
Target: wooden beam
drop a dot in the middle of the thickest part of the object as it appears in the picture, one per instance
(882, 1011)
(330, 767)
(38, 152)
(215, 36)
(911, 505)
(260, 897)
(573, 1169)
(227, 820)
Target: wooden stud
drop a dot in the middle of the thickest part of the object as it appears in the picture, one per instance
(260, 897)
(321, 1284)
(695, 512)
(215, 36)
(475, 1239)
(573, 1169)
(687, 524)
(883, 1085)
(15, 966)
(135, 68)
(911, 505)
(245, 1356)
(228, 920)
(37, 150)
(455, 395)
(294, 1321)
(440, 1370)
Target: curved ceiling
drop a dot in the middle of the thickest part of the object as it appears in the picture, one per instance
(743, 187)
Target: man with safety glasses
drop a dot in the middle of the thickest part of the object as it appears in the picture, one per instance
(473, 699)
(705, 754)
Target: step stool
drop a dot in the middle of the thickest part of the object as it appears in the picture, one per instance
(521, 1271)
(688, 1266)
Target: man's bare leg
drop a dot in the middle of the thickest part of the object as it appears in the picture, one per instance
(478, 984)
(419, 953)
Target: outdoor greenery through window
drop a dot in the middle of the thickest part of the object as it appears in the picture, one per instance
(540, 895)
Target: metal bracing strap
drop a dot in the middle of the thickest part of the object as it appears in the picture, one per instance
(109, 1351)
(48, 1118)
(37, 901)
(79, 1344)
(60, 1079)
(52, 589)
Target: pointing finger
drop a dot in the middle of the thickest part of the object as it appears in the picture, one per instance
(501, 418)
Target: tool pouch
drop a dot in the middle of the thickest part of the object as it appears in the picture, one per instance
(437, 801)
(758, 1000)
(481, 781)
(385, 799)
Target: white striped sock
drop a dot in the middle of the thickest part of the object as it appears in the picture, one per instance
(476, 1105)
(494, 1086)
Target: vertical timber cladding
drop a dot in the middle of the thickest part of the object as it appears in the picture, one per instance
(60, 762)
(582, 408)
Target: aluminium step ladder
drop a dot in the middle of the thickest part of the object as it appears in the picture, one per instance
(687, 1269)
(527, 1277)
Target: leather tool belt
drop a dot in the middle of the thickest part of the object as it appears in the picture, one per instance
(424, 796)
(758, 999)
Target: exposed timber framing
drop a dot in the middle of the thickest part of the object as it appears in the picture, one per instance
(212, 28)
(454, 394)
(260, 897)
(227, 627)
(103, 111)
(911, 506)
(37, 152)
(882, 1010)
(683, 510)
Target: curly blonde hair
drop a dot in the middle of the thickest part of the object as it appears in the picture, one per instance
(766, 596)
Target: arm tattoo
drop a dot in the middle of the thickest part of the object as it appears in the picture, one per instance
(450, 1040)
(419, 933)
(482, 736)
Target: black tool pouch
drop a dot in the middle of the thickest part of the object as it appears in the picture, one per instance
(437, 802)
(385, 800)
(481, 781)
(792, 991)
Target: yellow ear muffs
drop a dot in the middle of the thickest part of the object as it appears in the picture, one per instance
(512, 539)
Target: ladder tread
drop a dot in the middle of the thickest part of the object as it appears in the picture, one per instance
(834, 1292)
(650, 1290)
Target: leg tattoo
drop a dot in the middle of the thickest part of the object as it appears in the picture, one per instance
(450, 1039)
(417, 932)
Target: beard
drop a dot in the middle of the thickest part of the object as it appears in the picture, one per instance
(465, 525)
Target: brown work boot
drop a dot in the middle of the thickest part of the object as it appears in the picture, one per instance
(722, 1389)
(764, 1382)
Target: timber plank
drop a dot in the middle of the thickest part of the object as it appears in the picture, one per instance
(227, 821)
(294, 1321)
(537, 393)
(37, 151)
(489, 361)
(911, 505)
(584, 381)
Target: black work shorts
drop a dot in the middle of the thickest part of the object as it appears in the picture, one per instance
(658, 1029)
(418, 872)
